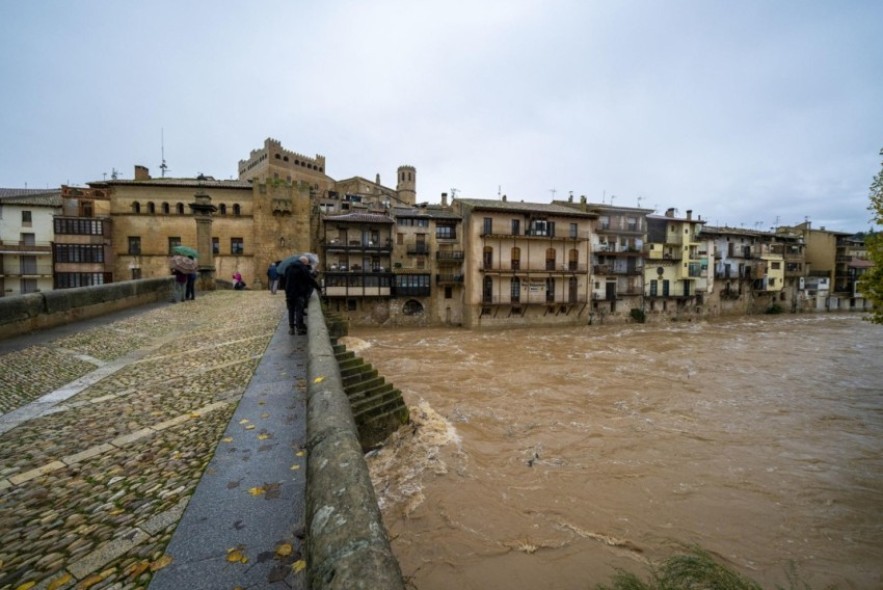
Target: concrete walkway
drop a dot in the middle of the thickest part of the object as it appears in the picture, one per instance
(160, 449)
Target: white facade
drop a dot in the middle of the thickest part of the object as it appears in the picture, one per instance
(26, 234)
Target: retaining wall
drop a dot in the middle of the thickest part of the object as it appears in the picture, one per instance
(347, 544)
(21, 314)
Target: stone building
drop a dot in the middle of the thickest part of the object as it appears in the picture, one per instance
(26, 235)
(525, 263)
(82, 252)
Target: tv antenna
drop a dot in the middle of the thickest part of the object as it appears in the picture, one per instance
(162, 147)
(454, 192)
(553, 191)
(639, 202)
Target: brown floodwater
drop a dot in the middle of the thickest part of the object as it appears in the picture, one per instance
(550, 457)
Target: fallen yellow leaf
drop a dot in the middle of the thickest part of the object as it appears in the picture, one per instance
(160, 563)
(236, 555)
(256, 491)
(244, 421)
(299, 566)
(250, 427)
(265, 415)
(60, 581)
(195, 414)
(319, 379)
(284, 550)
(263, 436)
(295, 467)
(26, 586)
(301, 453)
(137, 568)
(227, 439)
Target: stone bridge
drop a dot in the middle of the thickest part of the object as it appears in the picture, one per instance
(194, 445)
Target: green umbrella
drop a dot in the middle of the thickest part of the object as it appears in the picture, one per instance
(185, 251)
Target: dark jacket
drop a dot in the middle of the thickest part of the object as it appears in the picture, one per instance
(299, 281)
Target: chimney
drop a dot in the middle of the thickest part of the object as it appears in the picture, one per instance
(444, 199)
(377, 179)
(504, 198)
(141, 172)
(670, 212)
(689, 214)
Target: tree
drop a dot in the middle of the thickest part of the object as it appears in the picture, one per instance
(871, 282)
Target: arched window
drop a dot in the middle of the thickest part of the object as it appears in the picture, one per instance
(136, 207)
(516, 258)
(180, 208)
(550, 258)
(165, 208)
(151, 208)
(222, 209)
(236, 209)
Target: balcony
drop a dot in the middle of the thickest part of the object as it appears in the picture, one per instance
(497, 300)
(449, 256)
(24, 247)
(42, 269)
(580, 236)
(418, 249)
(449, 279)
(515, 267)
(383, 246)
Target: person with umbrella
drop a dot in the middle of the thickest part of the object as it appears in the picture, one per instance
(299, 284)
(181, 267)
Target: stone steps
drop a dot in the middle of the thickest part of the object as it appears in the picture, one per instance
(378, 407)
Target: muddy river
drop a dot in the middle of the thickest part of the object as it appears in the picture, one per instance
(550, 457)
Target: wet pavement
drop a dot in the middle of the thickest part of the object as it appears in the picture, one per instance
(116, 431)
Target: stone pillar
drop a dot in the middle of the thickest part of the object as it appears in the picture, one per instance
(202, 211)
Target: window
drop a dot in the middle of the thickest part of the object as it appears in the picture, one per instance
(516, 227)
(222, 209)
(449, 293)
(174, 241)
(151, 208)
(487, 226)
(541, 227)
(515, 290)
(134, 245)
(180, 208)
(775, 265)
(28, 239)
(29, 286)
(574, 231)
(79, 253)
(550, 290)
(654, 288)
(165, 208)
(78, 227)
(516, 258)
(412, 285)
(28, 264)
(236, 246)
(604, 222)
(550, 258)
(216, 246)
(488, 258)
(136, 207)
(445, 232)
(26, 218)
(573, 260)
(236, 209)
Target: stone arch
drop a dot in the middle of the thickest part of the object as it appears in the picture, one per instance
(413, 307)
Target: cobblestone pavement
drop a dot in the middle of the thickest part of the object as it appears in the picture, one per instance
(105, 434)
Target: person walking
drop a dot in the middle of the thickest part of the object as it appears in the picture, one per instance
(299, 284)
(273, 276)
(180, 285)
(190, 288)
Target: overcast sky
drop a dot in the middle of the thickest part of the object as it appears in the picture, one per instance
(748, 112)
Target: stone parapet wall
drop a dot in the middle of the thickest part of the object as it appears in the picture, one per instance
(347, 544)
(21, 314)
